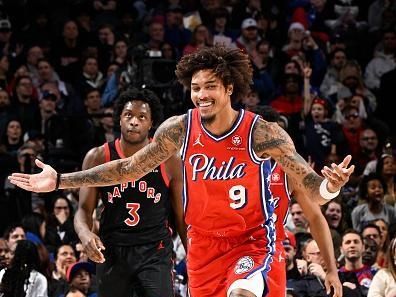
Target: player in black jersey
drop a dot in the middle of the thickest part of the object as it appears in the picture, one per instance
(134, 246)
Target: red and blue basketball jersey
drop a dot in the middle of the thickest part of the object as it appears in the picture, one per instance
(226, 185)
(281, 198)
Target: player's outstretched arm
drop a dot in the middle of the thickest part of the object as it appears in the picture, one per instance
(270, 140)
(167, 140)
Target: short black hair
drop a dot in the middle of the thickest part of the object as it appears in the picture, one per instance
(351, 231)
(371, 225)
(11, 228)
(145, 95)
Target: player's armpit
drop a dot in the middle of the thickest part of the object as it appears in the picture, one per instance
(270, 140)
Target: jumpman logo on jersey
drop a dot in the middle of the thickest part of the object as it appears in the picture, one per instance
(198, 141)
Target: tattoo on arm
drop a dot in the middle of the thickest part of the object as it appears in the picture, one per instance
(270, 140)
(167, 140)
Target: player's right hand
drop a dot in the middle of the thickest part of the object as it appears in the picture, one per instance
(93, 246)
(44, 181)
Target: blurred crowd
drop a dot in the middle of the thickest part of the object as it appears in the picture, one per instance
(328, 67)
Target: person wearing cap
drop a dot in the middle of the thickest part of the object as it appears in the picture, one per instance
(323, 136)
(5, 35)
(249, 37)
(79, 278)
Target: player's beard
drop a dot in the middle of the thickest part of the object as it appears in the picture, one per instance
(208, 119)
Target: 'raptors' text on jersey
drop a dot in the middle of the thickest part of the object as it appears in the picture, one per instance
(135, 212)
(225, 184)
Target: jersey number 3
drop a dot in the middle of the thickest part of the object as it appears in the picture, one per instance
(238, 195)
(135, 218)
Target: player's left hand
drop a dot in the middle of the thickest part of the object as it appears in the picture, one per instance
(338, 175)
(332, 281)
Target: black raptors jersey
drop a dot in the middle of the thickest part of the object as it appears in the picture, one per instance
(135, 212)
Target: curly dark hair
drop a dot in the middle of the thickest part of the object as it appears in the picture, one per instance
(364, 182)
(231, 66)
(145, 95)
(25, 260)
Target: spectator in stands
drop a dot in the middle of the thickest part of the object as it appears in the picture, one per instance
(265, 71)
(106, 39)
(375, 14)
(120, 52)
(251, 100)
(386, 167)
(201, 37)
(67, 51)
(68, 102)
(299, 220)
(4, 67)
(337, 59)
(13, 234)
(369, 149)
(372, 189)
(90, 76)
(352, 249)
(244, 10)
(12, 136)
(383, 61)
(79, 277)
(169, 52)
(53, 126)
(322, 136)
(352, 127)
(384, 281)
(34, 54)
(156, 35)
(5, 256)
(313, 15)
(22, 277)
(335, 216)
(35, 227)
(5, 36)
(175, 33)
(290, 103)
(64, 257)
(220, 27)
(351, 82)
(249, 37)
(60, 228)
(290, 247)
(370, 253)
(23, 105)
(5, 104)
(384, 244)
(372, 231)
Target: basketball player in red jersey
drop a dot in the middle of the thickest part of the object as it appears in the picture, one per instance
(226, 197)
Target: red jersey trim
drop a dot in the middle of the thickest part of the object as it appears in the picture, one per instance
(118, 148)
(164, 175)
(106, 152)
